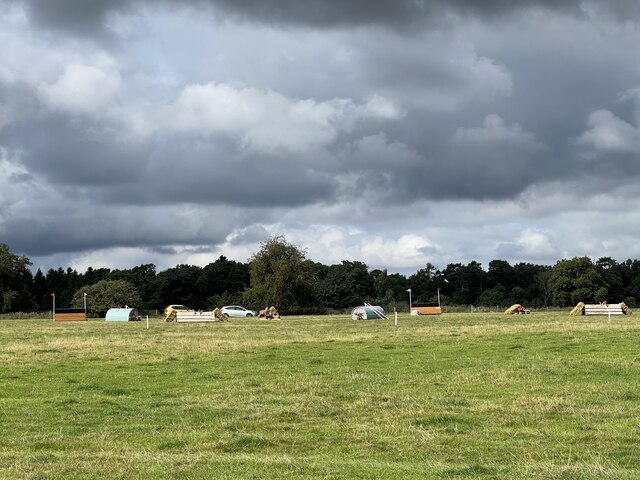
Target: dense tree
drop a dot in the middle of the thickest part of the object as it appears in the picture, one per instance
(424, 285)
(347, 285)
(177, 285)
(15, 280)
(144, 278)
(464, 283)
(40, 292)
(281, 276)
(225, 278)
(107, 294)
(576, 280)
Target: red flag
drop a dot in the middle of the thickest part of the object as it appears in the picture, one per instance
(53, 294)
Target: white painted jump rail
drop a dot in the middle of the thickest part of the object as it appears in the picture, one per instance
(195, 317)
(603, 309)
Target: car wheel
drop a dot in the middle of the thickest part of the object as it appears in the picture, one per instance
(249, 314)
(226, 315)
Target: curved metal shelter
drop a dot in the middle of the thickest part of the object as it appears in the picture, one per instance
(122, 315)
(368, 312)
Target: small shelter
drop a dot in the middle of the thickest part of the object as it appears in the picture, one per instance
(368, 312)
(122, 315)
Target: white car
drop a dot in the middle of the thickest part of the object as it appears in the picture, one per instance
(237, 311)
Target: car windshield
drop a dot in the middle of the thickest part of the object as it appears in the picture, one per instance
(180, 307)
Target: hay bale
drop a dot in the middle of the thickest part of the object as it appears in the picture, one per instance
(270, 313)
(577, 310)
(625, 309)
(171, 317)
(513, 309)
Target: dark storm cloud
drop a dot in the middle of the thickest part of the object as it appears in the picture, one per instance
(81, 227)
(72, 151)
(183, 169)
(88, 18)
(87, 156)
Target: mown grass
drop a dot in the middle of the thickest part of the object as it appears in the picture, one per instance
(457, 396)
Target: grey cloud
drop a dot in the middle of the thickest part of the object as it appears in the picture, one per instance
(88, 18)
(88, 156)
(73, 151)
(185, 170)
(248, 235)
(79, 226)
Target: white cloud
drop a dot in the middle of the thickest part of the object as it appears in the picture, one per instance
(84, 88)
(530, 244)
(609, 133)
(495, 130)
(260, 120)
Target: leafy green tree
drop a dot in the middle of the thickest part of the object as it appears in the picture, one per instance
(576, 280)
(281, 276)
(500, 273)
(40, 292)
(178, 285)
(144, 278)
(464, 283)
(347, 285)
(542, 283)
(107, 294)
(496, 296)
(224, 278)
(424, 285)
(15, 279)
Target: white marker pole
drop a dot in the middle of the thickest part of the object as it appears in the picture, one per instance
(147, 322)
(395, 322)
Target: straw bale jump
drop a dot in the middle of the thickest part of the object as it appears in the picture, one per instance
(269, 314)
(602, 309)
(516, 309)
(196, 316)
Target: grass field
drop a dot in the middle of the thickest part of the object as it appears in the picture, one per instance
(457, 396)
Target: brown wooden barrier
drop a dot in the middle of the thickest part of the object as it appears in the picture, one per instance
(70, 317)
(426, 310)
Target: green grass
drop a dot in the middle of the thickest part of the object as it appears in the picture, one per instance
(453, 397)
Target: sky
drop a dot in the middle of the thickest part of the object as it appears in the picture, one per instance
(395, 132)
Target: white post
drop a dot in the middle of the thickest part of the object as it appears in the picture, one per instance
(147, 322)
(439, 306)
(54, 306)
(409, 290)
(609, 313)
(395, 322)
(85, 303)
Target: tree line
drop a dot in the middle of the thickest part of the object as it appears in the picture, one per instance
(279, 274)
